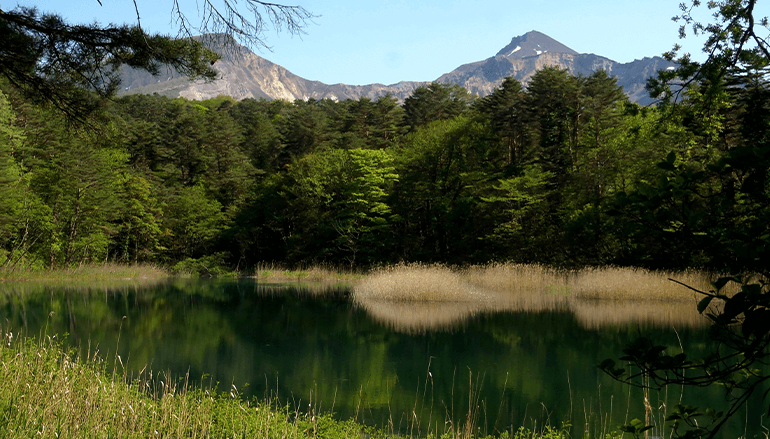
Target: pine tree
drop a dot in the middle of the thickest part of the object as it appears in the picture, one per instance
(56, 62)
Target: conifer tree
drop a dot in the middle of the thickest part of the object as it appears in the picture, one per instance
(56, 62)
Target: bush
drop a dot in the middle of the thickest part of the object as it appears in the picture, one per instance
(213, 265)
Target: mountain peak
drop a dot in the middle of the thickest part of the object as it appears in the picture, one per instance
(533, 43)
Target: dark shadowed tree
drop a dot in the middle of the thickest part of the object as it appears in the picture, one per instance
(553, 107)
(434, 102)
(722, 206)
(506, 109)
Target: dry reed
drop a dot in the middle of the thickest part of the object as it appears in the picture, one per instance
(418, 283)
(618, 283)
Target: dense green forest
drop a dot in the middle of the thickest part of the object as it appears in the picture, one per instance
(565, 171)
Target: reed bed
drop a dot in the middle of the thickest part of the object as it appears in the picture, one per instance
(418, 283)
(516, 278)
(618, 283)
(419, 297)
(602, 283)
(314, 273)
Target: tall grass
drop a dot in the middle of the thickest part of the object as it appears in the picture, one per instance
(48, 393)
(602, 283)
(418, 283)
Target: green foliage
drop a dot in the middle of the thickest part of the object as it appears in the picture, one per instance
(560, 172)
(21, 211)
(374, 125)
(553, 95)
(139, 221)
(46, 389)
(505, 108)
(732, 42)
(520, 197)
(192, 221)
(213, 265)
(339, 196)
(442, 171)
(54, 62)
(362, 214)
(709, 204)
(548, 432)
(635, 427)
(302, 181)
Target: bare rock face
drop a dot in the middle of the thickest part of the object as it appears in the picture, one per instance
(243, 74)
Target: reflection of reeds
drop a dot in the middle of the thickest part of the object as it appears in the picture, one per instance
(422, 297)
(418, 317)
(595, 314)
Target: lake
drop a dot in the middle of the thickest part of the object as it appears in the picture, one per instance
(316, 349)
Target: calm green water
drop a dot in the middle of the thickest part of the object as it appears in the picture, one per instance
(321, 351)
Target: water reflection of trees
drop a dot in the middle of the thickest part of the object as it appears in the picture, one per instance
(315, 348)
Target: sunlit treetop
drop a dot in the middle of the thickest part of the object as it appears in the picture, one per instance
(737, 45)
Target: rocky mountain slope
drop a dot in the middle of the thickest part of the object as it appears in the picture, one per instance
(243, 74)
(531, 52)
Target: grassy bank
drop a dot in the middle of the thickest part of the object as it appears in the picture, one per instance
(47, 393)
(138, 272)
(87, 273)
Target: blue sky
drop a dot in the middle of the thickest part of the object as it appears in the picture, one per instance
(363, 42)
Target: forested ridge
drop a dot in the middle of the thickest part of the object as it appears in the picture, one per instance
(565, 171)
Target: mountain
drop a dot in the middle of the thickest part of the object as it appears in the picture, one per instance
(483, 77)
(243, 74)
(533, 43)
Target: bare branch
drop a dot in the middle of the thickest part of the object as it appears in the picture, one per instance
(246, 24)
